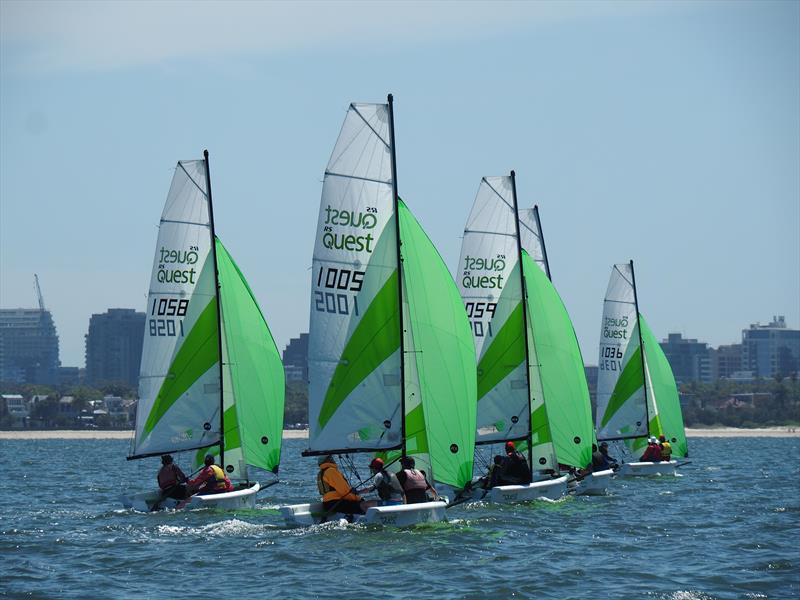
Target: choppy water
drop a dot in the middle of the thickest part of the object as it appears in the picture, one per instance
(720, 531)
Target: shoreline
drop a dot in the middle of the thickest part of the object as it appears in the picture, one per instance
(299, 434)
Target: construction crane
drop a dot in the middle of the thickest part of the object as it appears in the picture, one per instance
(38, 291)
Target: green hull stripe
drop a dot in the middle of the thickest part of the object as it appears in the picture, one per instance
(375, 339)
(199, 352)
(504, 354)
(628, 383)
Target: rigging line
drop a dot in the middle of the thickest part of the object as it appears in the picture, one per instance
(618, 301)
(621, 274)
(202, 191)
(378, 135)
(511, 235)
(491, 187)
(368, 179)
(184, 222)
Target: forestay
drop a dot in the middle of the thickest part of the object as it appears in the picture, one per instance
(179, 384)
(621, 405)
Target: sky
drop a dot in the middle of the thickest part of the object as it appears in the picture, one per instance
(667, 133)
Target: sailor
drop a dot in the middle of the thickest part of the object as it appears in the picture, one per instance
(492, 476)
(515, 467)
(171, 480)
(337, 494)
(666, 448)
(599, 460)
(653, 451)
(385, 483)
(612, 462)
(414, 483)
(211, 480)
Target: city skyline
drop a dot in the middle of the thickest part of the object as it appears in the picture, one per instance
(662, 132)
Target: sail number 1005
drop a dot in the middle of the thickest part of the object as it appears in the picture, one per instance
(341, 281)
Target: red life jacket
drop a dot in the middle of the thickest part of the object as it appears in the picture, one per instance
(168, 476)
(414, 481)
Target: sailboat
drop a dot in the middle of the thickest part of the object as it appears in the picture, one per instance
(563, 373)
(529, 365)
(211, 379)
(636, 392)
(391, 359)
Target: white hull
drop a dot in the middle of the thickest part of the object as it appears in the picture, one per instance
(552, 489)
(403, 515)
(147, 501)
(634, 469)
(593, 484)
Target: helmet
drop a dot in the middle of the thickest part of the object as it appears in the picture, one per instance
(376, 464)
(652, 440)
(604, 444)
(510, 446)
(661, 438)
(324, 459)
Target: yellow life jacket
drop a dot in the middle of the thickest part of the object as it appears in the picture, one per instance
(666, 450)
(219, 476)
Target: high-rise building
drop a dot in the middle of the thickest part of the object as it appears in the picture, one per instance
(688, 358)
(295, 358)
(28, 346)
(725, 361)
(114, 347)
(770, 350)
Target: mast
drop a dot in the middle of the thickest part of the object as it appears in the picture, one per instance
(524, 316)
(641, 349)
(396, 203)
(219, 313)
(541, 239)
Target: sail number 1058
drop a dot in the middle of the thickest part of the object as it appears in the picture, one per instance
(341, 280)
(167, 307)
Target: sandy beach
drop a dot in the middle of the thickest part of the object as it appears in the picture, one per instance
(296, 434)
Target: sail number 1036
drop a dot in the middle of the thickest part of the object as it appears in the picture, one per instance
(340, 281)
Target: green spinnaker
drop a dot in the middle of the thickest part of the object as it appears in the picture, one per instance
(255, 368)
(669, 421)
(444, 355)
(566, 392)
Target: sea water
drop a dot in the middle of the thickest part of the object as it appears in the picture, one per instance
(727, 527)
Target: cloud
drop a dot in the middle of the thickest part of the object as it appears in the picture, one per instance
(92, 35)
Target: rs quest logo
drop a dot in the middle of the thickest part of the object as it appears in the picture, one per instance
(494, 265)
(172, 265)
(364, 221)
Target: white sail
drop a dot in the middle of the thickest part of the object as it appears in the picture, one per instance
(531, 237)
(179, 383)
(621, 406)
(354, 395)
(489, 282)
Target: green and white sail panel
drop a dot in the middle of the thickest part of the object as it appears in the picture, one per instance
(531, 237)
(663, 400)
(490, 285)
(440, 380)
(621, 407)
(565, 428)
(253, 380)
(179, 381)
(354, 337)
